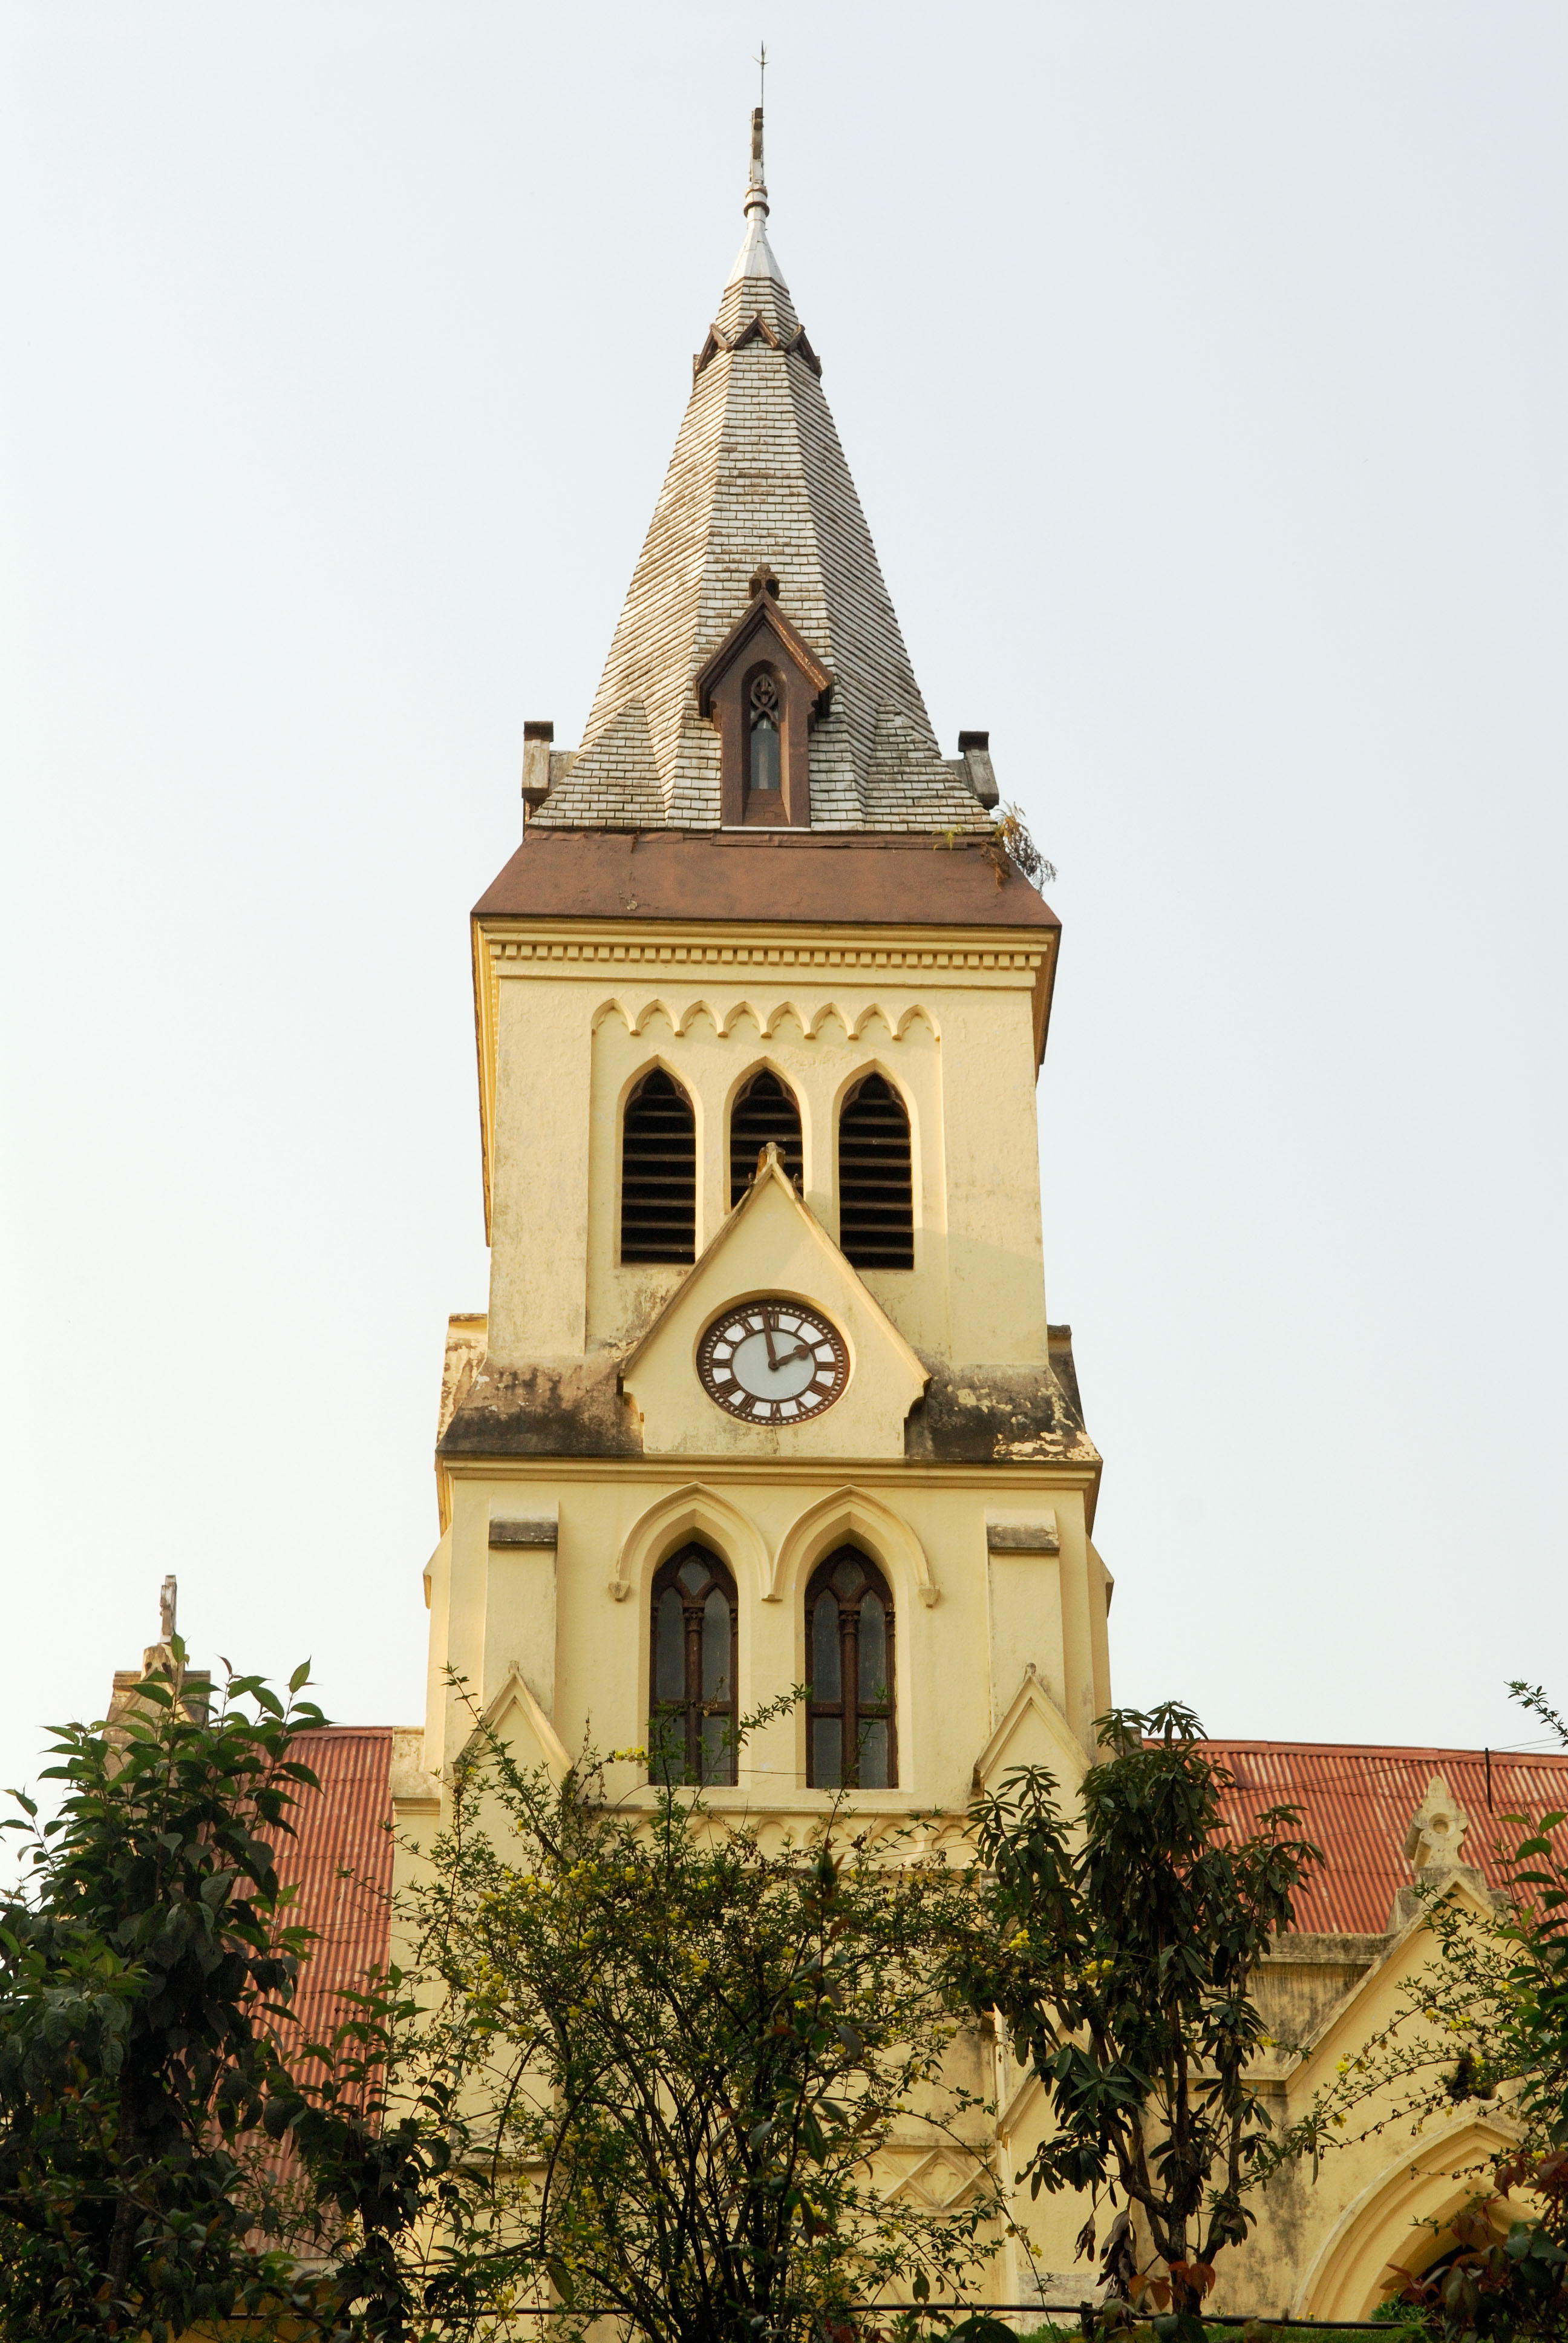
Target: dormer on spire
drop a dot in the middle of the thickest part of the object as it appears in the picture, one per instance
(762, 689)
(755, 258)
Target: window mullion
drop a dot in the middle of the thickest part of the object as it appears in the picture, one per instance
(850, 1662)
(693, 1692)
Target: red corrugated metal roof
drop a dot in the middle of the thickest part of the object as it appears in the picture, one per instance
(341, 1858)
(1357, 1802)
(342, 1861)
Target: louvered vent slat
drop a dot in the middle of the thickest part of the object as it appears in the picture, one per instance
(876, 1194)
(658, 1173)
(765, 1110)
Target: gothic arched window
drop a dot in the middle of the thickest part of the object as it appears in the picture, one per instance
(691, 1696)
(764, 1110)
(875, 1195)
(851, 1732)
(764, 717)
(658, 1173)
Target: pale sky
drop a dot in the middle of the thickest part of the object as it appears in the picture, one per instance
(1201, 368)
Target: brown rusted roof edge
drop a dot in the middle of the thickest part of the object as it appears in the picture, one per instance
(837, 879)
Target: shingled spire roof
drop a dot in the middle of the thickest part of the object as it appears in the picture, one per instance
(757, 479)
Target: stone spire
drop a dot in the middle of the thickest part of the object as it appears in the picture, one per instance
(757, 479)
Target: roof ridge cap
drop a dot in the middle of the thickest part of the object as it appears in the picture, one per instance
(1390, 1748)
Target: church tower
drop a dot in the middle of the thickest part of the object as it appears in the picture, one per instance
(766, 1394)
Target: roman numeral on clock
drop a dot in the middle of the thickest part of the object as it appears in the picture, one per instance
(774, 1362)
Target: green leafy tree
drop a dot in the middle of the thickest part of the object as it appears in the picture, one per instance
(138, 1963)
(1127, 1952)
(684, 2056)
(149, 2070)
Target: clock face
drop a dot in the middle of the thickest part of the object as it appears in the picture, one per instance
(772, 1363)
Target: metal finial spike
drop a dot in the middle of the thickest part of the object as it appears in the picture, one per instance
(755, 186)
(754, 257)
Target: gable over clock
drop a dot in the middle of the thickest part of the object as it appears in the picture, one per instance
(773, 1256)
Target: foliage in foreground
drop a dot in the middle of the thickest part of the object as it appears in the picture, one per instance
(148, 2072)
(134, 1964)
(1125, 1974)
(682, 2053)
(1487, 2020)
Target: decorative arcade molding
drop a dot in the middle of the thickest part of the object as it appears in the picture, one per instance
(758, 956)
(767, 1022)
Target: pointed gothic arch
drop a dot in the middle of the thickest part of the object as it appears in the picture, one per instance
(1346, 2279)
(852, 1516)
(763, 1107)
(658, 1170)
(694, 1511)
(876, 1175)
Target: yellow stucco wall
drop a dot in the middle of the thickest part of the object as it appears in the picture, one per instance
(1325, 2245)
(1002, 1651)
(566, 1030)
(574, 1621)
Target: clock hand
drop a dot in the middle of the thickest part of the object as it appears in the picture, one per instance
(801, 1351)
(768, 1338)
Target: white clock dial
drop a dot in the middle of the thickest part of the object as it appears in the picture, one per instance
(773, 1362)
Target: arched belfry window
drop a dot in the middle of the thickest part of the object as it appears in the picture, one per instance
(691, 1698)
(850, 1734)
(876, 1194)
(764, 1110)
(658, 1173)
(765, 717)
